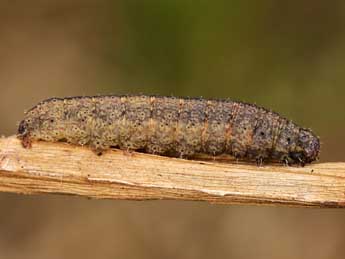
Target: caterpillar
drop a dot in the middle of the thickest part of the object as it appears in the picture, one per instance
(178, 127)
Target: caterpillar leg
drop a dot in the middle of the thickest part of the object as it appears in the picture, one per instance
(98, 148)
(286, 160)
(128, 152)
(98, 152)
(259, 161)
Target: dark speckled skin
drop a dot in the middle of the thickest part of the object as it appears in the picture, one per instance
(170, 126)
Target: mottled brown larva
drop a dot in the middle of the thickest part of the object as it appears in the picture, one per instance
(181, 127)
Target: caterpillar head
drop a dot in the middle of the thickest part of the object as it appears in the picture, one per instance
(27, 126)
(24, 129)
(40, 122)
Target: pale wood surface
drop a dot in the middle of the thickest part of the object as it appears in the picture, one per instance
(66, 169)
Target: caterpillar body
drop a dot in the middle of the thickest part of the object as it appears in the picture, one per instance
(171, 126)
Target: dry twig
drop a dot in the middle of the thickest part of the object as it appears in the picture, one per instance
(66, 169)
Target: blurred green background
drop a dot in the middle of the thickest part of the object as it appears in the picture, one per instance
(285, 55)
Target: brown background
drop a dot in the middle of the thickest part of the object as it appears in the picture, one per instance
(285, 55)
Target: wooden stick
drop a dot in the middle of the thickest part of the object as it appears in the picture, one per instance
(67, 169)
